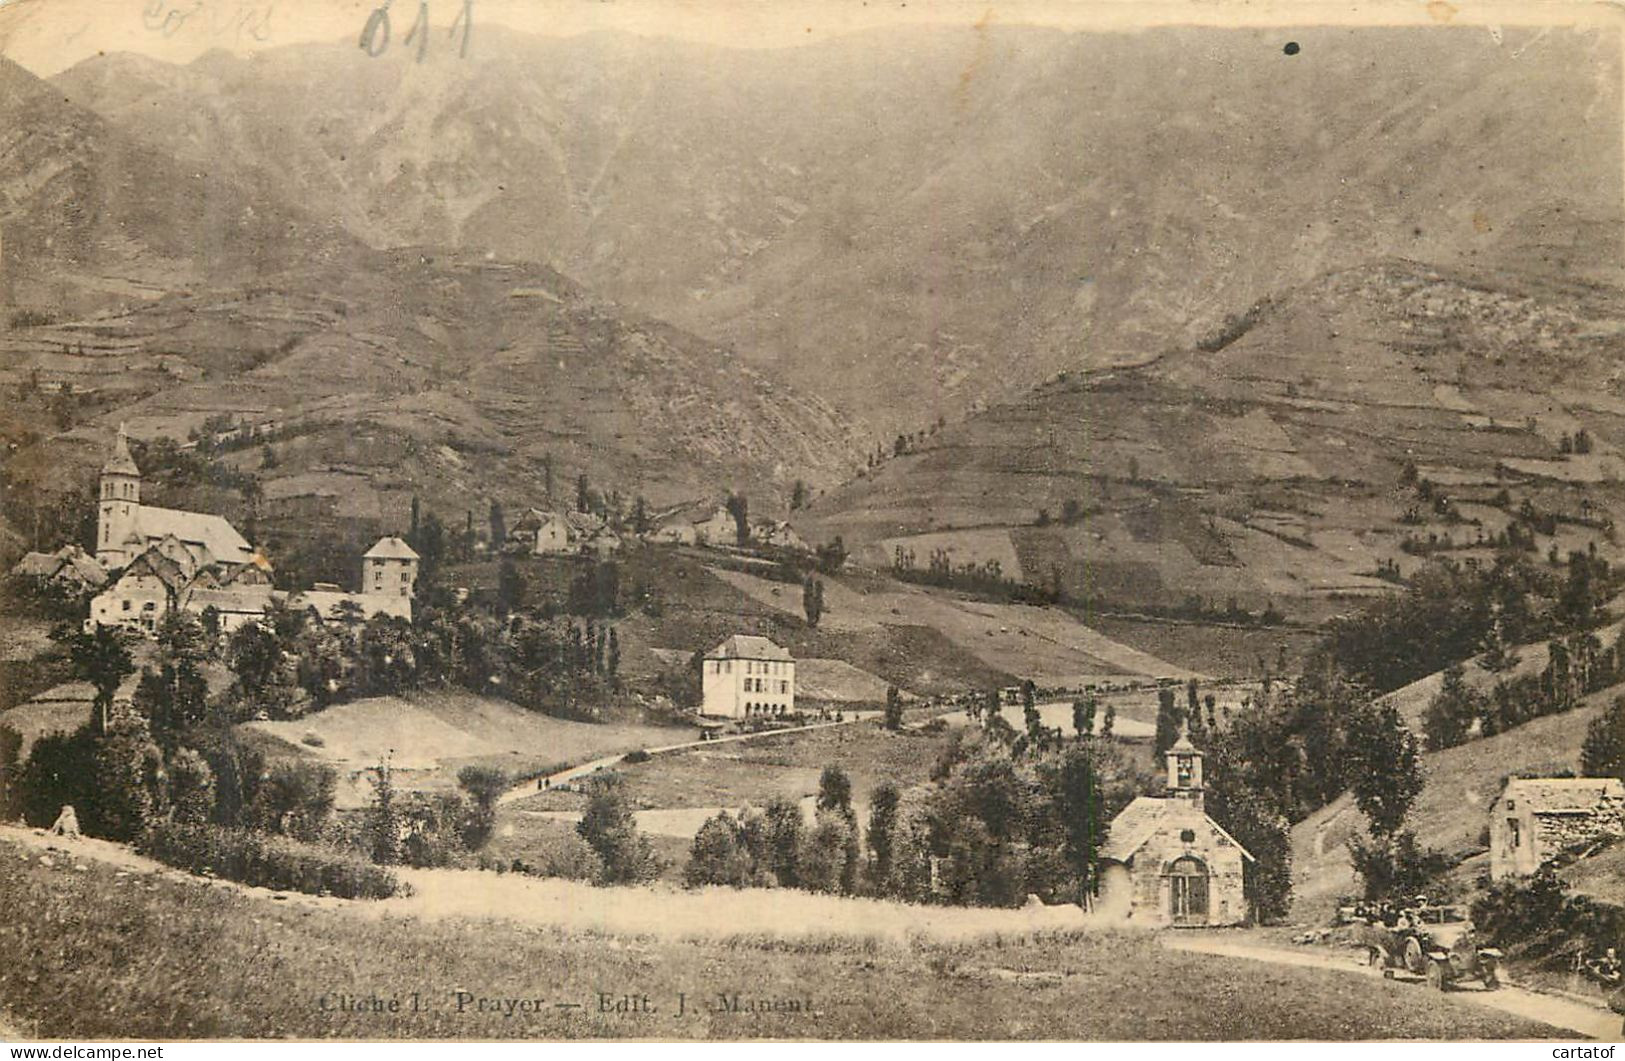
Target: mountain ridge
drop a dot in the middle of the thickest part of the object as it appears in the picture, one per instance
(741, 194)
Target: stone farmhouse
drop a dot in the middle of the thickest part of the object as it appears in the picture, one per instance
(543, 533)
(748, 677)
(779, 534)
(696, 523)
(1165, 862)
(167, 576)
(70, 569)
(1535, 819)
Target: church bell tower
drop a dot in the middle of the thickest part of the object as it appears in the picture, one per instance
(119, 503)
(1185, 770)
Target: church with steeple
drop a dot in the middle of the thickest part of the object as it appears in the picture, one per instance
(1166, 863)
(164, 559)
(125, 528)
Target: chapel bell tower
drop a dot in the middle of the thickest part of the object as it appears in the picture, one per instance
(1185, 770)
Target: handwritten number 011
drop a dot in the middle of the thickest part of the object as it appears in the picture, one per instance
(375, 34)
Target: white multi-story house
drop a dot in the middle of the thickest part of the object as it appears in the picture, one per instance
(389, 569)
(748, 677)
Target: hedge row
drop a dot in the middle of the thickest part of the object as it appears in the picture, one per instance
(266, 861)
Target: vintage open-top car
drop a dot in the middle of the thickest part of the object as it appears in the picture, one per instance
(1436, 942)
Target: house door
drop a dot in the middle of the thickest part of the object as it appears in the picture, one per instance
(1187, 894)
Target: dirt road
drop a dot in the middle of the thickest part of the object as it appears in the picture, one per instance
(1593, 1022)
(531, 786)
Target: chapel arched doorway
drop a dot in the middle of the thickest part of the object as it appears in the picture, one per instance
(1188, 891)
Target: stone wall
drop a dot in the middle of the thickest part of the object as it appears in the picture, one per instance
(1227, 904)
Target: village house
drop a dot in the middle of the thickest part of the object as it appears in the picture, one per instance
(1535, 819)
(330, 604)
(145, 591)
(1165, 862)
(389, 569)
(389, 575)
(780, 535)
(167, 577)
(125, 528)
(236, 595)
(542, 533)
(748, 677)
(716, 527)
(69, 570)
(603, 544)
(675, 525)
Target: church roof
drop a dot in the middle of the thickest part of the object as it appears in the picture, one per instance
(121, 463)
(1145, 818)
(391, 548)
(745, 646)
(214, 533)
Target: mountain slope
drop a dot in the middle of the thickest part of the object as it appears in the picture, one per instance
(1452, 811)
(1266, 463)
(412, 372)
(918, 220)
(91, 215)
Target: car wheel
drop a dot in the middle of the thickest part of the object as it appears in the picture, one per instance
(1415, 960)
(1436, 976)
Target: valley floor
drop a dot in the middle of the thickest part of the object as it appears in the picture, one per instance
(146, 952)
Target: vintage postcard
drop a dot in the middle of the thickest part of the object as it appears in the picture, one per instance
(733, 520)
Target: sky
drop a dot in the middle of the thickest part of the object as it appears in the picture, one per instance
(47, 36)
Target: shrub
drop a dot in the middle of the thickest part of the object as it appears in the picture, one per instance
(191, 786)
(434, 825)
(295, 799)
(822, 860)
(266, 861)
(638, 756)
(608, 827)
(129, 783)
(718, 856)
(567, 857)
(484, 785)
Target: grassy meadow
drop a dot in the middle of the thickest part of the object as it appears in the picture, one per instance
(151, 956)
(737, 773)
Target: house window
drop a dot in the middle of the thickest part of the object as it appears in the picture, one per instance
(784, 687)
(126, 605)
(1513, 833)
(1187, 836)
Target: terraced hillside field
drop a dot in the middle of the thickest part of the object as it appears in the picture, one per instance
(1267, 465)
